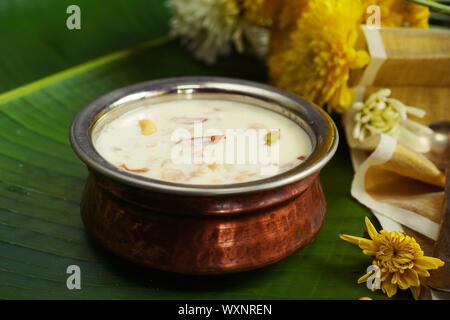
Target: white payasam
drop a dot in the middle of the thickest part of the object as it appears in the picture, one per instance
(203, 141)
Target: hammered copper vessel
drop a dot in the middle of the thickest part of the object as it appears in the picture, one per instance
(202, 229)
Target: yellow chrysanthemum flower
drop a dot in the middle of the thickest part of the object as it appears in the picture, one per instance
(261, 12)
(280, 12)
(399, 13)
(320, 53)
(285, 19)
(401, 260)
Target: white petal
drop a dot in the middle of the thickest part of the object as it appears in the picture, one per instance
(420, 113)
(416, 127)
(356, 130)
(415, 142)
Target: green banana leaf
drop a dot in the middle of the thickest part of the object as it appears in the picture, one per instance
(47, 74)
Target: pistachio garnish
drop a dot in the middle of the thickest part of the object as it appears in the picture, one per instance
(147, 127)
(272, 137)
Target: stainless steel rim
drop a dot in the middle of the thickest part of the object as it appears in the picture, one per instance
(321, 127)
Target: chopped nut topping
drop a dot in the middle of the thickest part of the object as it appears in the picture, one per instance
(147, 127)
(217, 138)
(143, 170)
(213, 166)
(188, 120)
(172, 175)
(199, 172)
(244, 175)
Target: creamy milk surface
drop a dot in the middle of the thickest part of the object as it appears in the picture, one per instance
(203, 142)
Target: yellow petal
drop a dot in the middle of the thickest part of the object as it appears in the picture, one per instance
(426, 262)
(389, 288)
(368, 245)
(351, 239)
(364, 278)
(370, 252)
(401, 280)
(421, 272)
(370, 228)
(341, 98)
(361, 59)
(394, 279)
(363, 243)
(416, 292)
(411, 278)
(346, 97)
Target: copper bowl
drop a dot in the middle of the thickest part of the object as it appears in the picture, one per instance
(203, 229)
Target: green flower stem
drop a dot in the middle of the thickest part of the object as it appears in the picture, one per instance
(435, 6)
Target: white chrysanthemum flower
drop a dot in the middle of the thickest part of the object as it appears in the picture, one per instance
(380, 114)
(208, 27)
(257, 38)
(211, 28)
